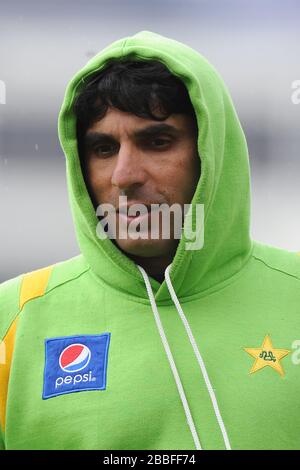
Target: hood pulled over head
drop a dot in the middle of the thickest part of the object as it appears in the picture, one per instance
(223, 187)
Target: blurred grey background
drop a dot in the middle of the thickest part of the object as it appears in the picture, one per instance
(254, 45)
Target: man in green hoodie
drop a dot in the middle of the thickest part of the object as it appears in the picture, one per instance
(146, 343)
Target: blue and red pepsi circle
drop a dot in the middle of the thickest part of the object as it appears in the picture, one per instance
(74, 358)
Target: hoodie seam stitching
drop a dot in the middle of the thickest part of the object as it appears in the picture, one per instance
(276, 269)
(222, 284)
(128, 297)
(227, 282)
(53, 288)
(35, 298)
(9, 326)
(68, 280)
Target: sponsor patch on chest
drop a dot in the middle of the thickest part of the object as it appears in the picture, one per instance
(75, 364)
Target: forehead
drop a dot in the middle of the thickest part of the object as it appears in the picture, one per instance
(117, 122)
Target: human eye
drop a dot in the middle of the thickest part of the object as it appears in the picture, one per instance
(160, 143)
(104, 150)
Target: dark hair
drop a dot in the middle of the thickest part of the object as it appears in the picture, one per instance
(145, 88)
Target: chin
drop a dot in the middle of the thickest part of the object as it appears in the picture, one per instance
(147, 248)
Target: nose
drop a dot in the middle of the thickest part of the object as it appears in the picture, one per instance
(129, 170)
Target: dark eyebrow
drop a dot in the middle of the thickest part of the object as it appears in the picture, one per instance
(155, 129)
(92, 138)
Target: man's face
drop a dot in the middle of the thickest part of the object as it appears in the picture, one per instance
(150, 162)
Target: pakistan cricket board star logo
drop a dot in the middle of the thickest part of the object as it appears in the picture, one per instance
(267, 355)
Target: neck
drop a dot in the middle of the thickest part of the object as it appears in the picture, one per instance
(155, 266)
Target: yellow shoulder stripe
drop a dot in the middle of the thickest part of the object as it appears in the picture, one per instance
(7, 347)
(33, 285)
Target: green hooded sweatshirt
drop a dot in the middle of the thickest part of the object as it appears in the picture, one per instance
(97, 355)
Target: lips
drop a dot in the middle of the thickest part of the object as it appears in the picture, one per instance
(123, 211)
(125, 208)
(124, 214)
(142, 215)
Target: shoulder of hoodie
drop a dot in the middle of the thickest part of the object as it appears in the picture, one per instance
(278, 259)
(60, 274)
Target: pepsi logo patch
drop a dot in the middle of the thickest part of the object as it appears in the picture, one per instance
(75, 364)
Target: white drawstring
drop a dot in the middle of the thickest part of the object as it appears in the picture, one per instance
(171, 360)
(198, 356)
